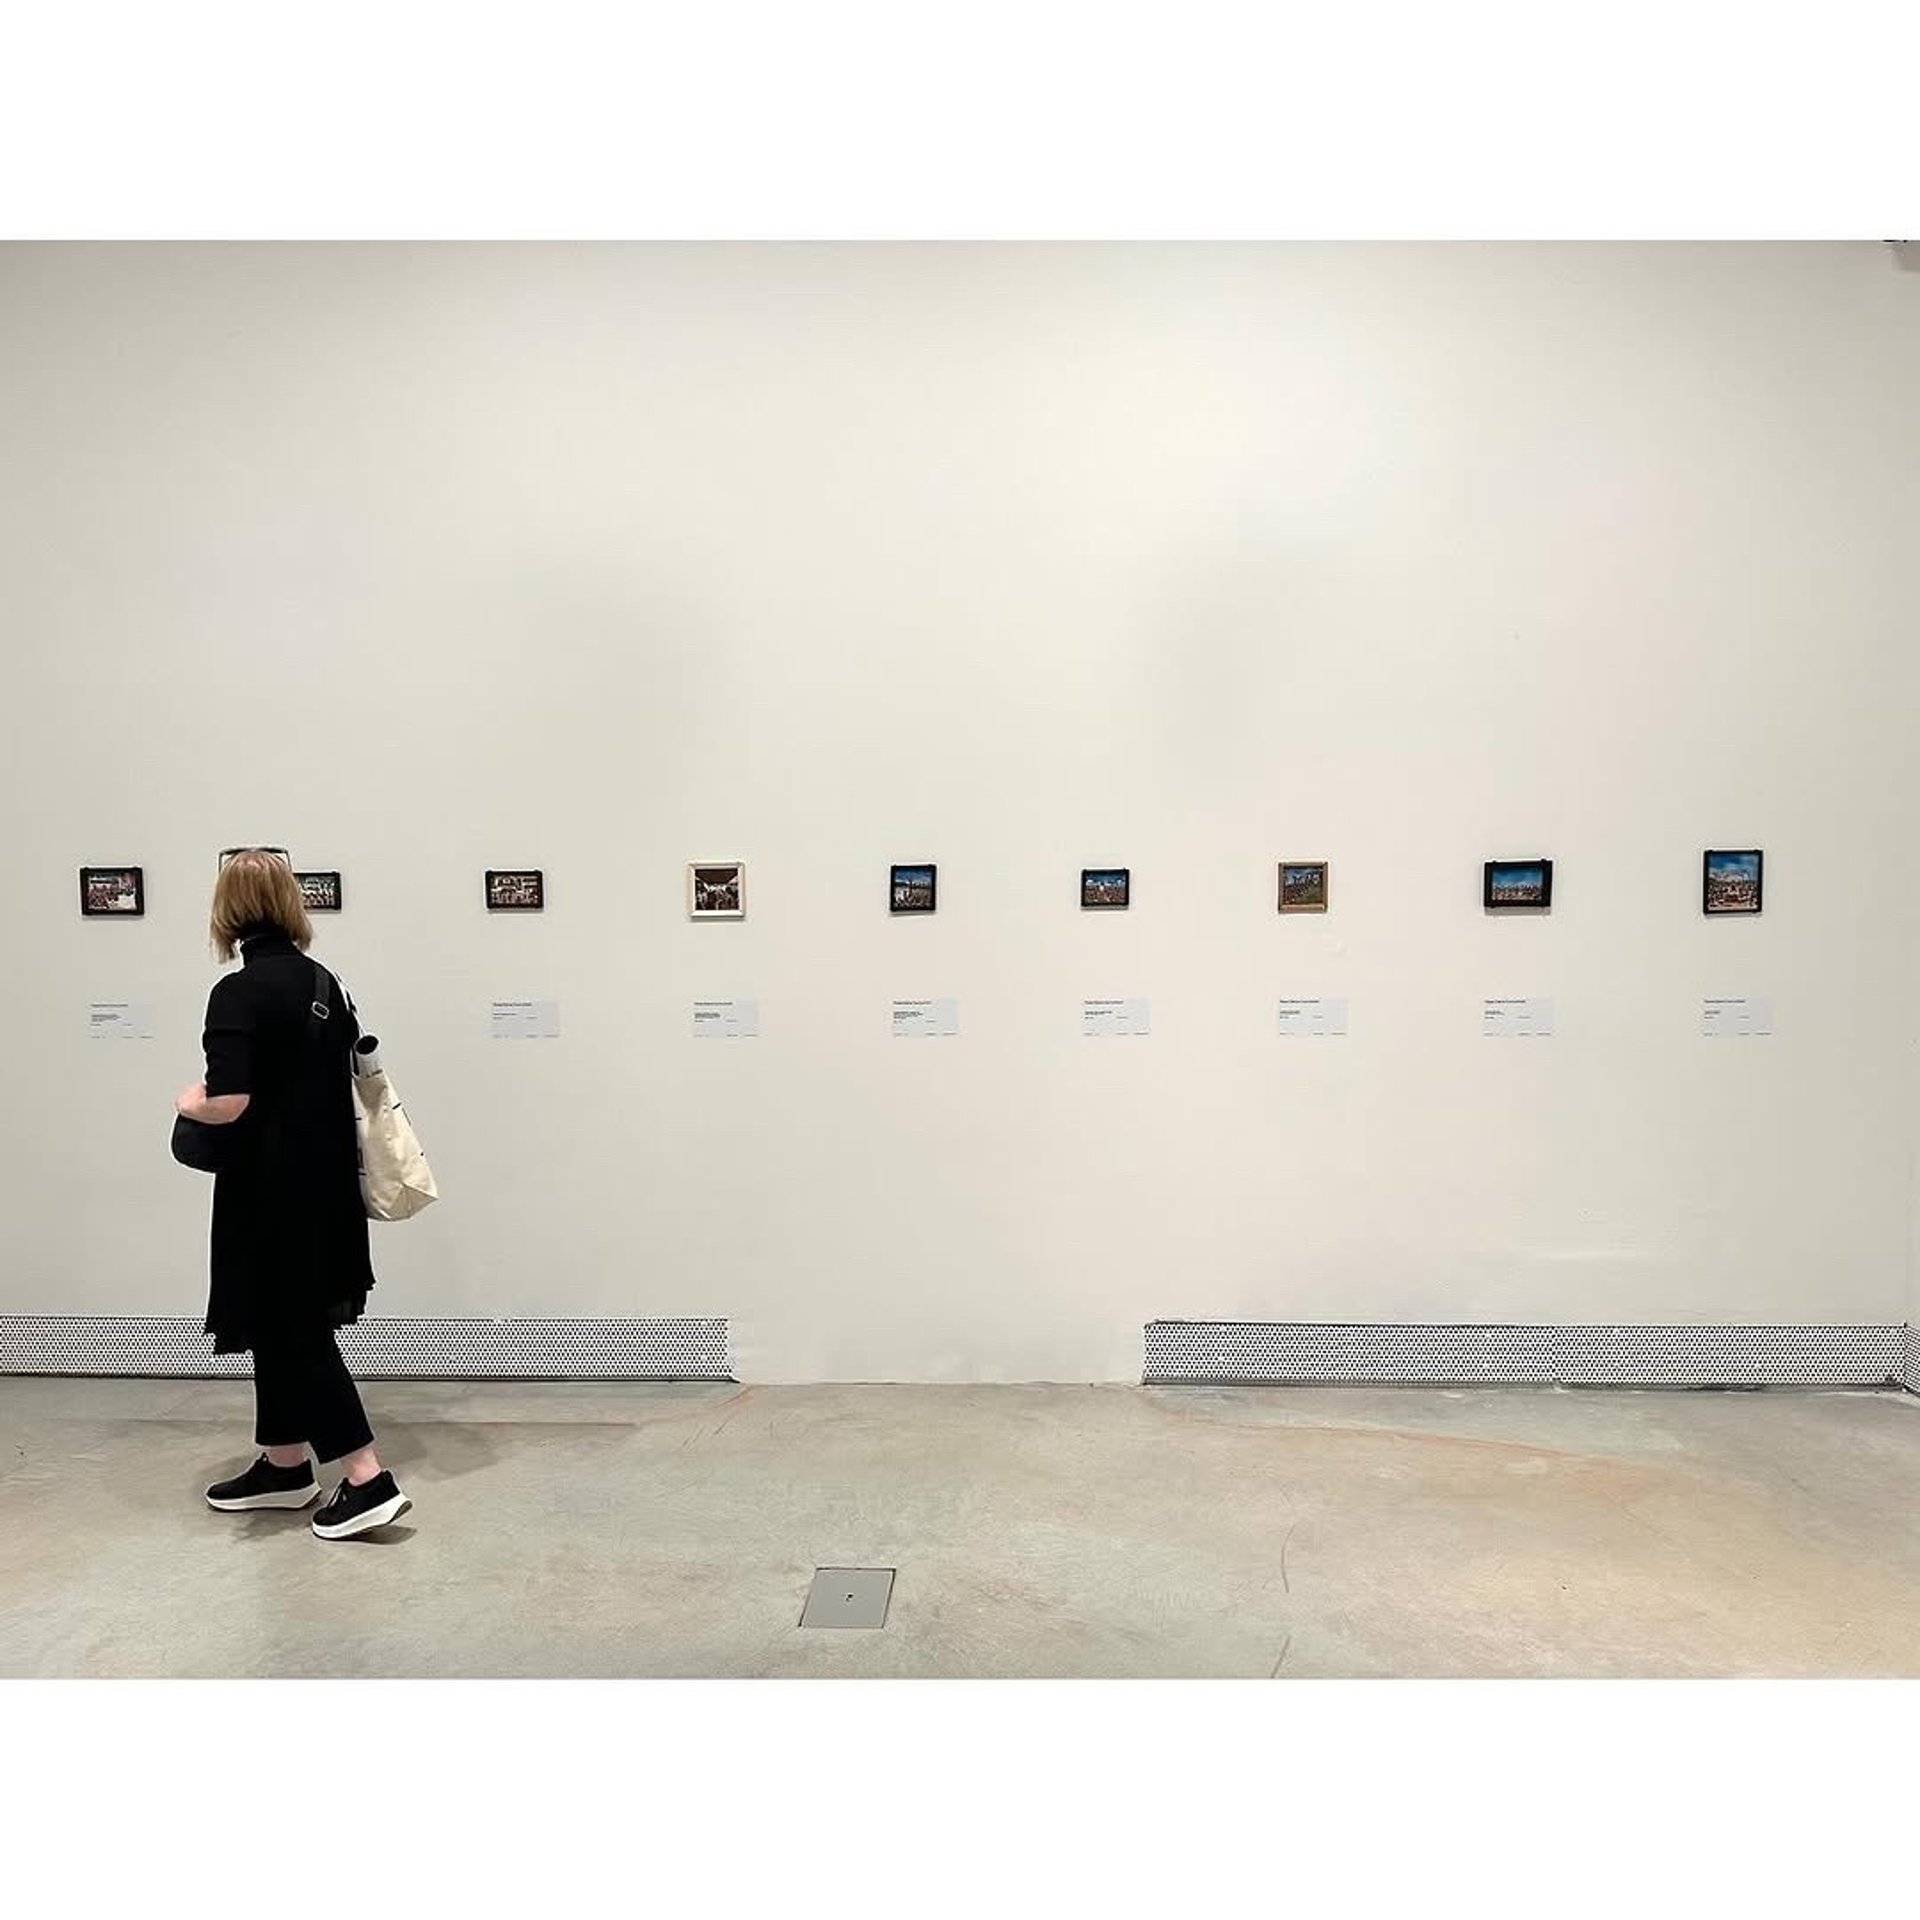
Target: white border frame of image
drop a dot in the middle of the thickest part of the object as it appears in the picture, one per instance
(719, 913)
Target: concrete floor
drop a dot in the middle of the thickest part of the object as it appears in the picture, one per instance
(607, 1530)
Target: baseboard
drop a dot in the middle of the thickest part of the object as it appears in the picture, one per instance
(385, 1349)
(1226, 1352)
(1178, 1352)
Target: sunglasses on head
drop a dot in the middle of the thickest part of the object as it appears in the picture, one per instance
(277, 853)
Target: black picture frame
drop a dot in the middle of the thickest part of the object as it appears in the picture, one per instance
(1106, 889)
(914, 888)
(1500, 894)
(320, 891)
(1730, 892)
(516, 890)
(104, 892)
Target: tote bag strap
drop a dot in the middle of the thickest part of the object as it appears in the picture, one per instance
(319, 1012)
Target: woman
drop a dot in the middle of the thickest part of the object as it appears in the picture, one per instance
(290, 1259)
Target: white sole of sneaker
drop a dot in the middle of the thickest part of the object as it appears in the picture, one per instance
(253, 1502)
(384, 1515)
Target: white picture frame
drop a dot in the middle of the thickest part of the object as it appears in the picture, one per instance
(716, 889)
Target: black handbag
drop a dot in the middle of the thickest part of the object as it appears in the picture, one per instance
(214, 1149)
(203, 1148)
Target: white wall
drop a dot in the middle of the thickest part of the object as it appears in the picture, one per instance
(605, 558)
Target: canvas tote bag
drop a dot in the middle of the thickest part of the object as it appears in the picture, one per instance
(395, 1180)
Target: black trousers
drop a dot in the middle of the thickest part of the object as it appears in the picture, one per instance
(302, 1392)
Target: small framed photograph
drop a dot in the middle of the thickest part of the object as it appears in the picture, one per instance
(109, 893)
(320, 891)
(1518, 886)
(516, 890)
(1103, 889)
(913, 889)
(1303, 886)
(717, 890)
(1730, 881)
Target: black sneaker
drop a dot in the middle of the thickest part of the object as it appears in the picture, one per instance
(360, 1509)
(265, 1485)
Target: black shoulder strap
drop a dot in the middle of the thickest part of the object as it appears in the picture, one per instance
(322, 1008)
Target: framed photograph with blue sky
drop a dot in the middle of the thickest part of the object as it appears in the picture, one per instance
(912, 889)
(1517, 886)
(1730, 880)
(1106, 888)
(1303, 886)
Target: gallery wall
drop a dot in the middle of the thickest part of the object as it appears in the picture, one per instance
(424, 560)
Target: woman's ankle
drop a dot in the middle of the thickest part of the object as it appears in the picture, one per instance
(361, 1467)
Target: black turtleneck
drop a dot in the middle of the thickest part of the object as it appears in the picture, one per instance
(262, 939)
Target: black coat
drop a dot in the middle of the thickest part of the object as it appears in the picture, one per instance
(290, 1255)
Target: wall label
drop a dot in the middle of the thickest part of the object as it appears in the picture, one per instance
(1736, 1019)
(918, 1019)
(1116, 1019)
(120, 1019)
(1300, 1019)
(1516, 1019)
(726, 1019)
(526, 1019)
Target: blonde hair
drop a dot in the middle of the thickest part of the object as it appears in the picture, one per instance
(257, 889)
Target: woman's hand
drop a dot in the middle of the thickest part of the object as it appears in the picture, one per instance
(211, 1110)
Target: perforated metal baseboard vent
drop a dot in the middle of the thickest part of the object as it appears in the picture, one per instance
(387, 1349)
(1199, 1353)
(1226, 1352)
